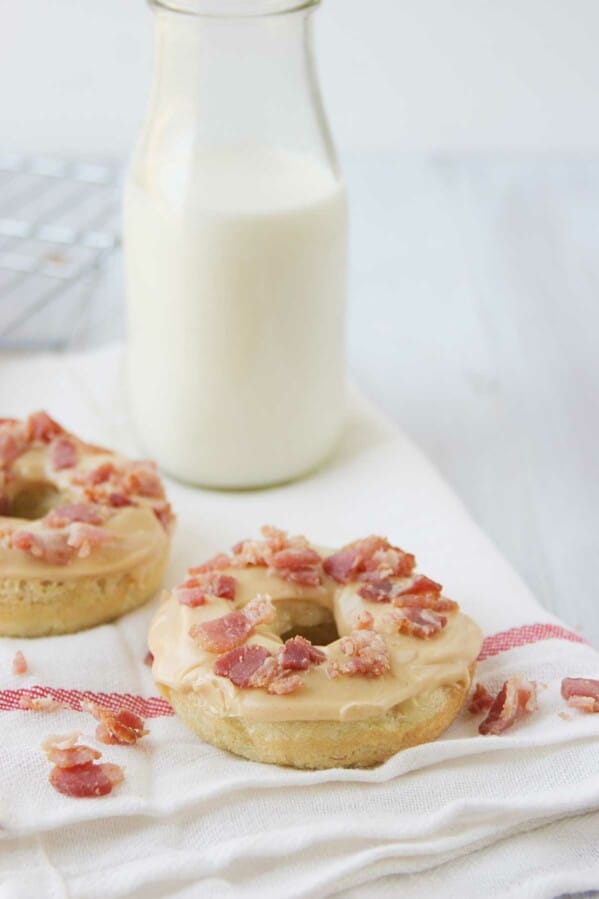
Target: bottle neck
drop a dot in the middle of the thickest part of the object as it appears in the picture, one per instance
(223, 81)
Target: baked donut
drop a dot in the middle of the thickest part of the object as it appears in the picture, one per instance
(290, 654)
(84, 533)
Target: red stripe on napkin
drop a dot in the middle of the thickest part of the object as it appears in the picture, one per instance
(524, 635)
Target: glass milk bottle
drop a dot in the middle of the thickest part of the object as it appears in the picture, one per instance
(235, 241)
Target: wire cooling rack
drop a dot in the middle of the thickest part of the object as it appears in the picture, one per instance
(59, 234)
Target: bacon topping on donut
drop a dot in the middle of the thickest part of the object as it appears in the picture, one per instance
(481, 700)
(216, 563)
(165, 515)
(229, 631)
(581, 693)
(240, 664)
(100, 475)
(290, 558)
(196, 591)
(416, 622)
(368, 557)
(83, 537)
(298, 654)
(48, 547)
(119, 500)
(43, 428)
(13, 441)
(421, 591)
(71, 512)
(366, 653)
(63, 453)
(141, 478)
(123, 727)
(19, 663)
(516, 699)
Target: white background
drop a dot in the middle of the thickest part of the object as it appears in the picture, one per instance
(432, 75)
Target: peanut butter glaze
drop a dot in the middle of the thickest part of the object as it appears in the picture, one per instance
(417, 665)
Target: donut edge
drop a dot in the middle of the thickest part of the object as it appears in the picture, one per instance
(44, 607)
(316, 745)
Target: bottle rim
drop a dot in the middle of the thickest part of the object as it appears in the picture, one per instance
(233, 9)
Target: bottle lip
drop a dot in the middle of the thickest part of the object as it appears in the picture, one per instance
(233, 9)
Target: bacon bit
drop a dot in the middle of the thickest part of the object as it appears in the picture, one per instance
(123, 727)
(581, 693)
(73, 512)
(165, 515)
(217, 563)
(516, 699)
(13, 441)
(149, 659)
(141, 478)
(298, 654)
(49, 547)
(19, 663)
(119, 500)
(229, 631)
(63, 453)
(41, 427)
(370, 556)
(300, 564)
(289, 683)
(240, 664)
(290, 558)
(100, 475)
(64, 751)
(364, 620)
(416, 622)
(481, 700)
(86, 781)
(83, 537)
(196, 591)
(367, 655)
(426, 601)
(422, 593)
(41, 704)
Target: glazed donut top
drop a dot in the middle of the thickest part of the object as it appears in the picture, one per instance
(219, 633)
(69, 509)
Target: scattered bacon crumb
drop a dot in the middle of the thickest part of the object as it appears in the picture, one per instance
(61, 516)
(516, 699)
(197, 590)
(165, 516)
(581, 693)
(287, 684)
(83, 537)
(123, 727)
(372, 556)
(290, 558)
(49, 547)
(240, 664)
(254, 666)
(366, 653)
(217, 563)
(298, 654)
(41, 703)
(119, 500)
(364, 620)
(19, 663)
(63, 453)
(149, 659)
(66, 752)
(481, 700)
(41, 427)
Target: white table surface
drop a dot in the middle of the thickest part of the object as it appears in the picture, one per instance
(473, 323)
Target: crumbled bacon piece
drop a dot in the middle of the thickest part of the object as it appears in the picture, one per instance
(287, 557)
(516, 699)
(165, 515)
(416, 622)
(83, 537)
(298, 654)
(149, 659)
(370, 556)
(300, 565)
(71, 512)
(229, 631)
(119, 500)
(581, 693)
(13, 441)
(481, 700)
(86, 781)
(41, 427)
(123, 727)
(197, 590)
(48, 547)
(240, 664)
(63, 453)
(41, 704)
(65, 751)
(364, 620)
(19, 663)
(420, 591)
(366, 653)
(430, 601)
(100, 475)
(217, 563)
(141, 478)
(288, 683)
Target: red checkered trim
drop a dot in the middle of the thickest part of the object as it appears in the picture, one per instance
(153, 707)
(156, 707)
(522, 636)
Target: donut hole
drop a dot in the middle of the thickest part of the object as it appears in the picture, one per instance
(306, 619)
(34, 500)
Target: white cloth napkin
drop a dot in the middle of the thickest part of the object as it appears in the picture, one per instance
(470, 816)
